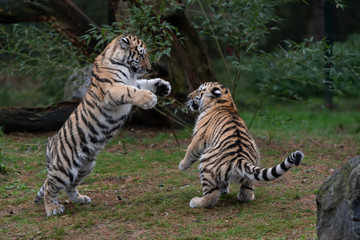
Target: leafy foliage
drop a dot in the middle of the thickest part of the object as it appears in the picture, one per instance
(40, 57)
(144, 23)
(345, 64)
(239, 26)
(300, 70)
(287, 73)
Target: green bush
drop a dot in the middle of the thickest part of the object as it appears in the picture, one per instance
(346, 66)
(293, 71)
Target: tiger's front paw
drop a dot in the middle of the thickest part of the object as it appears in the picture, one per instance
(163, 88)
(82, 199)
(183, 165)
(145, 99)
(195, 202)
(54, 209)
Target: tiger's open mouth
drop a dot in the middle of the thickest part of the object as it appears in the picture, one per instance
(194, 106)
(137, 70)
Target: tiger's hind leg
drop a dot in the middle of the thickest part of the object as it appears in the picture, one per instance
(246, 193)
(75, 196)
(51, 192)
(73, 192)
(208, 200)
(211, 194)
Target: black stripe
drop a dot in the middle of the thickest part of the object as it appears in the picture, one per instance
(89, 125)
(64, 155)
(95, 139)
(72, 136)
(221, 101)
(264, 175)
(283, 167)
(93, 95)
(112, 121)
(114, 69)
(67, 141)
(256, 173)
(97, 120)
(53, 184)
(229, 168)
(79, 130)
(59, 180)
(291, 159)
(89, 103)
(211, 190)
(274, 173)
(119, 63)
(132, 54)
(205, 170)
(85, 149)
(105, 80)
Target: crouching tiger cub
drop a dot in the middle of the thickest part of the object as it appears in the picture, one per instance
(226, 150)
(114, 88)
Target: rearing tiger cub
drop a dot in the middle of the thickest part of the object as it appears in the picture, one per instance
(226, 150)
(114, 88)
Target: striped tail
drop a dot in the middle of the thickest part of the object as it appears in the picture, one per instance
(40, 194)
(256, 173)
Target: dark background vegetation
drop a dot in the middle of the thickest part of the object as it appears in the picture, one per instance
(291, 22)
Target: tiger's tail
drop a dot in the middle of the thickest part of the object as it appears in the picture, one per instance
(256, 173)
(40, 194)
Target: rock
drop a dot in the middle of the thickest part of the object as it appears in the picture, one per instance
(338, 204)
(78, 83)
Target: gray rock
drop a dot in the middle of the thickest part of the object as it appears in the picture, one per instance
(78, 83)
(338, 204)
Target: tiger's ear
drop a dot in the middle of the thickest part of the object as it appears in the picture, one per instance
(125, 43)
(216, 92)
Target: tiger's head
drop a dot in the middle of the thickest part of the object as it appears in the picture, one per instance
(208, 95)
(130, 51)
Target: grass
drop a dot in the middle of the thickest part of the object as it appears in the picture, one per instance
(138, 192)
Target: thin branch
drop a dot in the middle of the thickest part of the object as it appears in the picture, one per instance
(216, 40)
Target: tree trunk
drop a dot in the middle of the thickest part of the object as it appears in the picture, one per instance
(118, 8)
(320, 26)
(189, 63)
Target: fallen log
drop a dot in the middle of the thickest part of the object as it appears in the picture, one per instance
(51, 118)
(41, 119)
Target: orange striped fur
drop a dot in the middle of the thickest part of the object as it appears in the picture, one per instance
(114, 89)
(226, 150)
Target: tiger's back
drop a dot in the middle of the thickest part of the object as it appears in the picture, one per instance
(226, 149)
(229, 145)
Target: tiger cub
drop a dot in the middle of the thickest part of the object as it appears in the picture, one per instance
(226, 150)
(114, 89)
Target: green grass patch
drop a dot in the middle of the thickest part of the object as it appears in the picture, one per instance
(138, 192)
